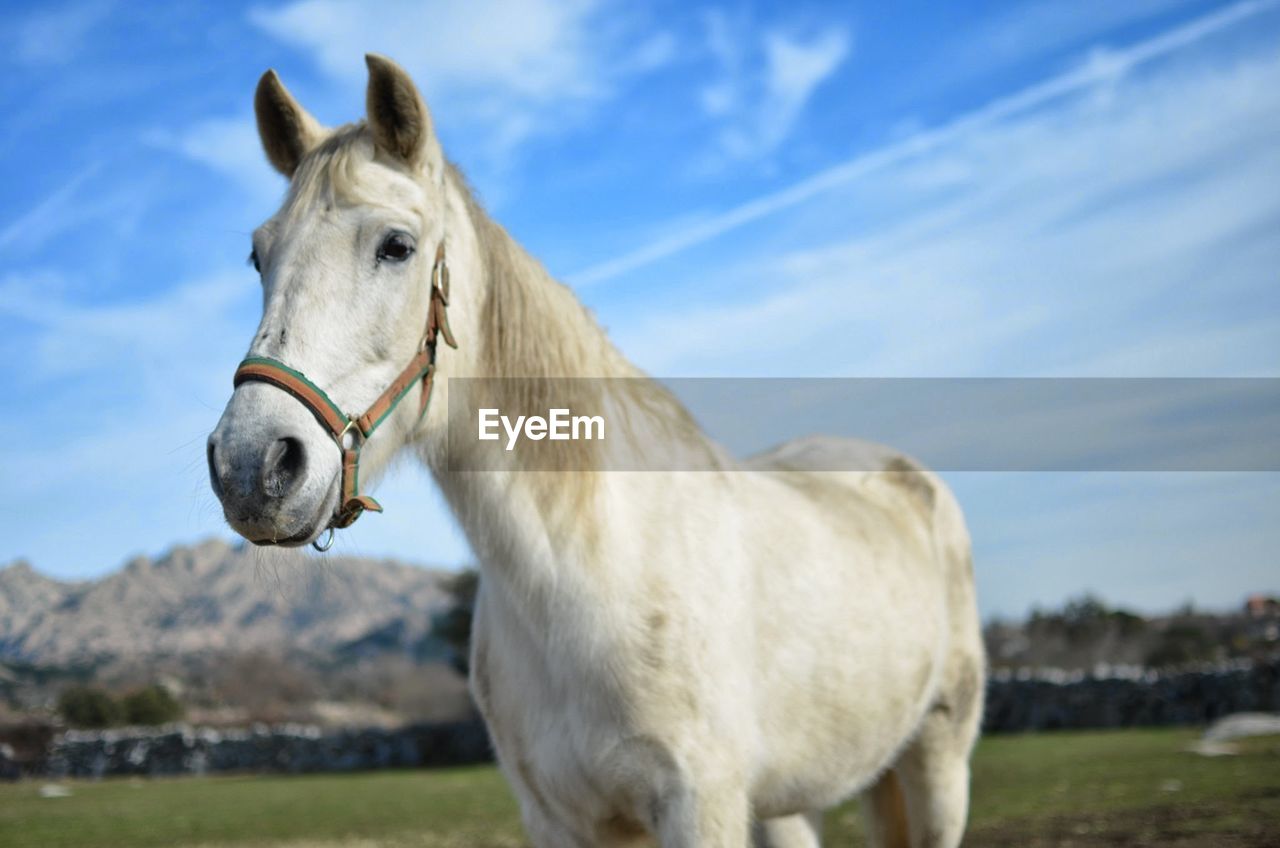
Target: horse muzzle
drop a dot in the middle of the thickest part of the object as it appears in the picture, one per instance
(275, 484)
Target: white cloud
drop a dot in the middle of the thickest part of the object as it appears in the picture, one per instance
(514, 67)
(794, 68)
(720, 97)
(56, 36)
(764, 82)
(531, 47)
(231, 147)
(653, 53)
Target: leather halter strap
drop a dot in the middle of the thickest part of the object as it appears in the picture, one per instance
(350, 432)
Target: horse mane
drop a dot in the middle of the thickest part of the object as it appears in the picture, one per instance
(536, 327)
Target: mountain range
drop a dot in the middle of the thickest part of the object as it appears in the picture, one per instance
(214, 597)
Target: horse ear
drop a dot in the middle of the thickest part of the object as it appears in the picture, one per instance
(398, 118)
(287, 130)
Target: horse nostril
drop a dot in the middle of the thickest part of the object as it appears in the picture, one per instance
(214, 480)
(283, 466)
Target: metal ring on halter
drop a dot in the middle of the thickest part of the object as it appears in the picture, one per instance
(328, 542)
(353, 430)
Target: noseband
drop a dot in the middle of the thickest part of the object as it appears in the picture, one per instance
(350, 432)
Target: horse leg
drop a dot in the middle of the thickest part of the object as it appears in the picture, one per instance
(803, 830)
(934, 769)
(704, 817)
(935, 782)
(923, 801)
(885, 813)
(542, 826)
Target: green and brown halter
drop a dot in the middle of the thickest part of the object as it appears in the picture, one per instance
(350, 432)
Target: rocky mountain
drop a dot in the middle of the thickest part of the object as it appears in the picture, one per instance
(211, 598)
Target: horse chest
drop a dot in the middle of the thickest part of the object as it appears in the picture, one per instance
(560, 723)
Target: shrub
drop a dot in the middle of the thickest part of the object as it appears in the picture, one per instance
(152, 705)
(88, 706)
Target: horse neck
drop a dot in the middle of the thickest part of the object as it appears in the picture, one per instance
(534, 524)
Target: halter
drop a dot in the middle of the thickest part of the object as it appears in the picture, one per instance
(350, 432)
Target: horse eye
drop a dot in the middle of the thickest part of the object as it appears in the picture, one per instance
(396, 247)
(253, 260)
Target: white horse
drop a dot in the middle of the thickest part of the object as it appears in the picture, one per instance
(701, 658)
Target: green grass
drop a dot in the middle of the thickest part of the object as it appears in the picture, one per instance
(1109, 788)
(461, 807)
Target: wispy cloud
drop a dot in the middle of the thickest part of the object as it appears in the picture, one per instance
(54, 36)
(1012, 251)
(231, 147)
(90, 205)
(764, 82)
(55, 212)
(1033, 29)
(1101, 68)
(165, 335)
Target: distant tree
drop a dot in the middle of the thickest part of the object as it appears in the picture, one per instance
(268, 687)
(1085, 609)
(414, 691)
(1129, 624)
(454, 625)
(152, 705)
(1182, 643)
(89, 706)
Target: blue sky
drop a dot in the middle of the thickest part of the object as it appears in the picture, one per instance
(1074, 188)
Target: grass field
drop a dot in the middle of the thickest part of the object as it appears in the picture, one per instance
(1077, 789)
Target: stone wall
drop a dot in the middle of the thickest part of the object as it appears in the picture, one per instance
(1016, 702)
(1048, 700)
(180, 749)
